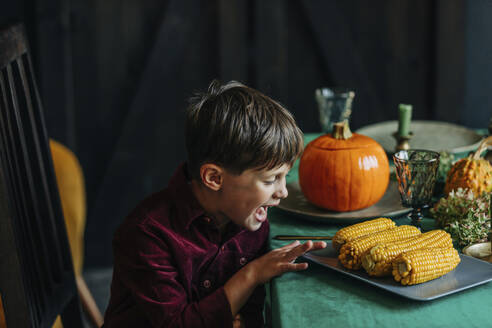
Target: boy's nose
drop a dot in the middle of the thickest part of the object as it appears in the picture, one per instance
(281, 192)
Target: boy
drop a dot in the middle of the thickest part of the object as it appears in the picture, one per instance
(192, 254)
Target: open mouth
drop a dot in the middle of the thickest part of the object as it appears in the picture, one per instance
(261, 212)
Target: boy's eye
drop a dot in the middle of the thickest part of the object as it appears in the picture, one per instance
(277, 177)
(269, 182)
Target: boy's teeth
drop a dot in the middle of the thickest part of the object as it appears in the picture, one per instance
(261, 213)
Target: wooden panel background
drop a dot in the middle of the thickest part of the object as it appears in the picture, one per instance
(115, 75)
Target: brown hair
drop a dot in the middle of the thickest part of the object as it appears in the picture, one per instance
(239, 128)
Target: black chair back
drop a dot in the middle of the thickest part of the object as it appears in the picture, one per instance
(36, 275)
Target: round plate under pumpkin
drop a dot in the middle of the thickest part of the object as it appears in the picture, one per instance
(388, 206)
(430, 135)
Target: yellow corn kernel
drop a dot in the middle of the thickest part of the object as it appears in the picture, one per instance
(351, 252)
(360, 229)
(421, 265)
(377, 260)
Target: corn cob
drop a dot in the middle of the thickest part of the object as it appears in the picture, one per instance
(424, 264)
(377, 260)
(360, 229)
(351, 252)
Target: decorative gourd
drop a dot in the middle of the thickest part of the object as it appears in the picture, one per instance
(343, 171)
(472, 172)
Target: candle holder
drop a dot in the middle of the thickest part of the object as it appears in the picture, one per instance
(402, 142)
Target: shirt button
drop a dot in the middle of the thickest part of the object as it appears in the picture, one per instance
(242, 261)
(222, 248)
(207, 219)
(207, 283)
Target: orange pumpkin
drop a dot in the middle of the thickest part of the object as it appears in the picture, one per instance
(343, 171)
(472, 172)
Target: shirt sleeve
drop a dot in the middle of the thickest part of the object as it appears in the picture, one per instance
(252, 311)
(145, 266)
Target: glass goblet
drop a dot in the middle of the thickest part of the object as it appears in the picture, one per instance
(416, 171)
(334, 105)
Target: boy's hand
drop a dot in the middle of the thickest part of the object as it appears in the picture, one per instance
(281, 260)
(240, 286)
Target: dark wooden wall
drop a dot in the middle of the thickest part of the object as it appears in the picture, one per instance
(115, 75)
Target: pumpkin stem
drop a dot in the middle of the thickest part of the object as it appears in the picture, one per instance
(483, 145)
(341, 130)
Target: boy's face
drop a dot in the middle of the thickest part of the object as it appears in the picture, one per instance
(245, 198)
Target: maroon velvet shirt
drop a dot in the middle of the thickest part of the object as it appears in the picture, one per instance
(171, 264)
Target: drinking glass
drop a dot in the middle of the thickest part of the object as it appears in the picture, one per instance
(416, 171)
(334, 105)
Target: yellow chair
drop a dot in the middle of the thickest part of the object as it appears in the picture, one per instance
(38, 280)
(70, 181)
(71, 186)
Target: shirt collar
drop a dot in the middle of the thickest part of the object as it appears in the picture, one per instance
(187, 205)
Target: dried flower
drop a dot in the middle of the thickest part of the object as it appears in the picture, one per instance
(446, 160)
(464, 216)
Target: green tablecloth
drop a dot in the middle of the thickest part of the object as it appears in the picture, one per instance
(320, 297)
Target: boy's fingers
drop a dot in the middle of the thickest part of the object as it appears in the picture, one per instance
(318, 245)
(291, 245)
(314, 246)
(299, 250)
(296, 266)
(304, 248)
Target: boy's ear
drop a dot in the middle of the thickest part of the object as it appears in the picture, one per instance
(212, 176)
